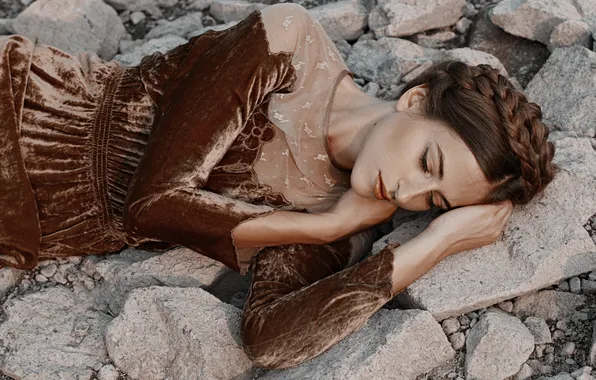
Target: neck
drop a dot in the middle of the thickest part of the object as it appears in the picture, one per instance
(352, 116)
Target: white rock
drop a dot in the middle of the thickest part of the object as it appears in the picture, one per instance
(108, 372)
(524, 373)
(52, 334)
(342, 20)
(450, 325)
(548, 304)
(136, 17)
(162, 45)
(73, 26)
(463, 25)
(233, 10)
(179, 27)
(539, 330)
(177, 333)
(393, 344)
(497, 347)
(564, 89)
(457, 340)
(534, 252)
(200, 5)
(9, 277)
(575, 285)
(568, 33)
(396, 18)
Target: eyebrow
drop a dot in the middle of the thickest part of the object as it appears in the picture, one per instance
(441, 159)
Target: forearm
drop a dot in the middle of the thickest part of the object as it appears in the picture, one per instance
(416, 257)
(285, 227)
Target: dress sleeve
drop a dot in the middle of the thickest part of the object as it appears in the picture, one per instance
(208, 101)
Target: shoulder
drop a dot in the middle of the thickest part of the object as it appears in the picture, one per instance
(284, 23)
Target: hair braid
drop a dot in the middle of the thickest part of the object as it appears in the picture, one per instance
(482, 106)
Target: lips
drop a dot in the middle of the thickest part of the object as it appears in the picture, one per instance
(380, 189)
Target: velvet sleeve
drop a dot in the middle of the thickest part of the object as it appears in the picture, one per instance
(20, 233)
(223, 79)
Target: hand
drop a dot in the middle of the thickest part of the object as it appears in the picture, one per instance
(353, 213)
(472, 226)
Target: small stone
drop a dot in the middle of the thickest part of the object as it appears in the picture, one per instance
(88, 283)
(563, 286)
(539, 329)
(472, 315)
(589, 286)
(549, 358)
(562, 325)
(41, 278)
(450, 325)
(558, 335)
(582, 371)
(575, 285)
(59, 278)
(469, 10)
(463, 320)
(549, 349)
(457, 340)
(579, 316)
(568, 349)
(463, 25)
(108, 372)
(592, 275)
(570, 361)
(76, 260)
(71, 277)
(506, 306)
(137, 17)
(49, 270)
(524, 373)
(473, 322)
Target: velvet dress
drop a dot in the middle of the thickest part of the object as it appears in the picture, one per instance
(180, 150)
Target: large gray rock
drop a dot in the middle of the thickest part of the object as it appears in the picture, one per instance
(180, 267)
(162, 44)
(564, 89)
(177, 333)
(52, 334)
(389, 61)
(396, 18)
(179, 27)
(536, 19)
(392, 345)
(496, 347)
(534, 251)
(343, 20)
(548, 304)
(73, 26)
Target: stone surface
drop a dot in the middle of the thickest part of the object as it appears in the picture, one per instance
(393, 344)
(496, 347)
(162, 44)
(396, 18)
(52, 334)
(73, 26)
(539, 330)
(570, 32)
(342, 20)
(564, 89)
(177, 333)
(524, 373)
(150, 6)
(389, 61)
(233, 10)
(536, 19)
(548, 304)
(9, 277)
(592, 355)
(180, 267)
(217, 27)
(534, 251)
(180, 27)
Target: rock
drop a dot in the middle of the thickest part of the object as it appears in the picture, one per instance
(575, 285)
(73, 26)
(180, 27)
(463, 25)
(150, 6)
(436, 40)
(6, 26)
(497, 347)
(52, 334)
(396, 18)
(213, 27)
(344, 49)
(387, 61)
(521, 58)
(568, 33)
(539, 330)
(548, 304)
(180, 267)
(136, 17)
(568, 349)
(533, 253)
(506, 306)
(561, 376)
(588, 287)
(584, 371)
(450, 325)
(393, 344)
(592, 357)
(200, 5)
(9, 277)
(563, 286)
(49, 270)
(457, 340)
(177, 333)
(162, 44)
(524, 373)
(108, 372)
(342, 20)
(233, 10)
(564, 90)
(535, 19)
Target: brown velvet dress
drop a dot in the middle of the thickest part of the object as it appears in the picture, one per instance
(95, 157)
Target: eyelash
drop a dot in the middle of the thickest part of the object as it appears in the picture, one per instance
(424, 165)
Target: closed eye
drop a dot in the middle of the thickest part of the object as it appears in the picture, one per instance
(424, 166)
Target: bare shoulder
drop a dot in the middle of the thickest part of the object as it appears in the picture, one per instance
(283, 23)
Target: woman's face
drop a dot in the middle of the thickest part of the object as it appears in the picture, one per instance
(421, 162)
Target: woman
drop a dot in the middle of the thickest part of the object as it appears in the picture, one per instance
(254, 146)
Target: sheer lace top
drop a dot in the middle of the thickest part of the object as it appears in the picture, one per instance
(296, 162)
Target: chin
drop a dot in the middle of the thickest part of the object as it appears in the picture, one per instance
(361, 185)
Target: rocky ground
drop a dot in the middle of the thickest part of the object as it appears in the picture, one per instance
(522, 308)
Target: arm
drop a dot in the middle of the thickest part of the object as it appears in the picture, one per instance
(205, 106)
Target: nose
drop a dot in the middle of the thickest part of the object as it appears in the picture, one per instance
(409, 189)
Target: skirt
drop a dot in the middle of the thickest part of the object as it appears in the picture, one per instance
(85, 123)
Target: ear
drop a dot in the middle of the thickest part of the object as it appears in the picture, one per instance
(412, 99)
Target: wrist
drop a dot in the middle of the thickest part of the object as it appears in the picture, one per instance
(441, 242)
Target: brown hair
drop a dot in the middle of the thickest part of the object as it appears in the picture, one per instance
(502, 129)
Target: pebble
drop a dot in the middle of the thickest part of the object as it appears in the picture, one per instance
(563, 286)
(589, 286)
(450, 325)
(524, 373)
(41, 278)
(464, 320)
(108, 372)
(558, 334)
(473, 322)
(538, 351)
(562, 325)
(469, 10)
(76, 260)
(59, 278)
(579, 316)
(575, 285)
(549, 349)
(582, 371)
(457, 340)
(592, 275)
(472, 315)
(463, 25)
(506, 306)
(568, 349)
(549, 358)
(570, 361)
(136, 17)
(49, 270)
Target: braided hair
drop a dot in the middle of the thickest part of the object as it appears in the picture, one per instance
(502, 129)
